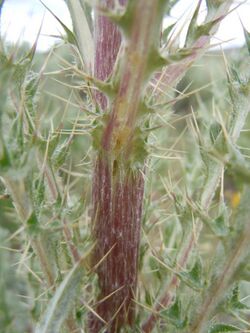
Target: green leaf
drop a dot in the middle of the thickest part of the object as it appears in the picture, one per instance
(234, 302)
(60, 154)
(33, 224)
(5, 161)
(167, 32)
(139, 150)
(220, 328)
(30, 92)
(20, 71)
(61, 303)
(214, 131)
(206, 28)
(183, 212)
(18, 132)
(174, 315)
(247, 38)
(191, 33)
(70, 36)
(239, 90)
(238, 164)
(38, 193)
(219, 226)
(148, 298)
(83, 31)
(193, 278)
(48, 145)
(154, 266)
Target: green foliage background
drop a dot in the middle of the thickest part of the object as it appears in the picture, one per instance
(46, 119)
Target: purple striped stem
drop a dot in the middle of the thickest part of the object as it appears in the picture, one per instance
(118, 184)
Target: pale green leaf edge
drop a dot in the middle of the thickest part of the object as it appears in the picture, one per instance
(60, 304)
(83, 33)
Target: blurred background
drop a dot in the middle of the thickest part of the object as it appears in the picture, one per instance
(21, 20)
(58, 109)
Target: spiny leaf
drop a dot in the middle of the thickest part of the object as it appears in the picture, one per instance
(20, 71)
(33, 224)
(196, 31)
(220, 328)
(83, 32)
(148, 298)
(193, 25)
(60, 304)
(183, 211)
(174, 315)
(205, 29)
(247, 37)
(49, 144)
(239, 91)
(234, 303)
(60, 154)
(38, 193)
(5, 161)
(167, 32)
(219, 226)
(139, 150)
(17, 132)
(154, 266)
(179, 55)
(239, 165)
(70, 36)
(193, 278)
(32, 51)
(214, 131)
(31, 85)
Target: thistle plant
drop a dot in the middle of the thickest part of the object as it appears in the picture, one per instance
(115, 201)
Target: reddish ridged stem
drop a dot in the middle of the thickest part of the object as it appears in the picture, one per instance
(118, 206)
(118, 185)
(107, 44)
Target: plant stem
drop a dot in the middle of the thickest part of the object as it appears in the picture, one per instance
(112, 175)
(118, 183)
(107, 43)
